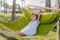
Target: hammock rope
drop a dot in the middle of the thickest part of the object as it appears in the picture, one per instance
(39, 7)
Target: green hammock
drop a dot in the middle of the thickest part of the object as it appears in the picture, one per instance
(47, 22)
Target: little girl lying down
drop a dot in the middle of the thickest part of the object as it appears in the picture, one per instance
(31, 27)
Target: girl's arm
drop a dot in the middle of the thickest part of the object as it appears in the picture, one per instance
(38, 17)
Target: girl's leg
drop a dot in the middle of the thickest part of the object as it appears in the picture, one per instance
(18, 33)
(21, 34)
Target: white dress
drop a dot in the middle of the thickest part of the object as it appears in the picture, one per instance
(30, 29)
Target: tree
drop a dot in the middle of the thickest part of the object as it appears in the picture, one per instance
(0, 4)
(10, 8)
(18, 7)
(58, 1)
(6, 5)
(14, 10)
(48, 4)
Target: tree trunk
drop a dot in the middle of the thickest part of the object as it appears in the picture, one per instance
(58, 1)
(5, 6)
(48, 4)
(14, 10)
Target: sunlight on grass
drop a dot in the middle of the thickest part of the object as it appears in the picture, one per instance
(9, 14)
(6, 17)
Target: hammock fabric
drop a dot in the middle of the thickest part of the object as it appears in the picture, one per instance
(47, 22)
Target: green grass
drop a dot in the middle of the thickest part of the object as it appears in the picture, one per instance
(6, 17)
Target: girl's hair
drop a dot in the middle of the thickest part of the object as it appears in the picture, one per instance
(36, 16)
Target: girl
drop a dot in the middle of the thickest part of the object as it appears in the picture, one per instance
(31, 28)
